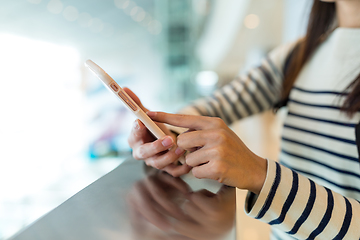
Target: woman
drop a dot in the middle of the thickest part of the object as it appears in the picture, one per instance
(315, 190)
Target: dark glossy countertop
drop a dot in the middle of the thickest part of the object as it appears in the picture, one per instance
(136, 202)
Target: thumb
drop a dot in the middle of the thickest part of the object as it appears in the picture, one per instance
(135, 98)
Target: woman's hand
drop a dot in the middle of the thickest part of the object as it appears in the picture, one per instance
(155, 152)
(216, 151)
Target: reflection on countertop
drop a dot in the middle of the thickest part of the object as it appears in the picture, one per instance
(163, 207)
(137, 202)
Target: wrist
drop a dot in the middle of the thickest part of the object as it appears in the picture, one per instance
(259, 175)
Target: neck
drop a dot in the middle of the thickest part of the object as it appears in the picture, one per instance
(348, 13)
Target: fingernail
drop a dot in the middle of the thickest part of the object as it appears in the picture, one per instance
(136, 125)
(167, 142)
(179, 151)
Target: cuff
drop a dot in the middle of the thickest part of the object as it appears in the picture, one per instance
(254, 204)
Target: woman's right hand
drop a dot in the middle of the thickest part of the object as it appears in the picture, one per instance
(157, 153)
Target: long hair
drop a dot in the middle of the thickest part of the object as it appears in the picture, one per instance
(321, 22)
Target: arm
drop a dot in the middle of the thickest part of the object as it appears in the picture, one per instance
(296, 205)
(278, 196)
(248, 94)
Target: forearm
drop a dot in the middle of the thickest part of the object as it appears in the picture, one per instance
(304, 209)
(248, 94)
(244, 96)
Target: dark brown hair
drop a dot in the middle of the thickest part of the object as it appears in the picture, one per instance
(321, 23)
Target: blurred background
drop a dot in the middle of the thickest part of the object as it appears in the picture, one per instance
(59, 127)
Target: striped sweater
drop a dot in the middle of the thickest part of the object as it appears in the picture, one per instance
(314, 190)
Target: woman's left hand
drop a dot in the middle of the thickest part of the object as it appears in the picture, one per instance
(216, 151)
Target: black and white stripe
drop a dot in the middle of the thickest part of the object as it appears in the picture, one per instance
(332, 210)
(315, 190)
(244, 96)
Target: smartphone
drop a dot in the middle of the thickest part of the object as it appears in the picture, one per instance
(125, 98)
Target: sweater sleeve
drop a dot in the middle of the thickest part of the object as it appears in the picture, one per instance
(303, 209)
(247, 94)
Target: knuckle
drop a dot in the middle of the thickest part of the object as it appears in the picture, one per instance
(196, 173)
(134, 155)
(135, 138)
(138, 134)
(188, 160)
(221, 135)
(219, 169)
(160, 162)
(180, 140)
(157, 165)
(218, 122)
(157, 146)
(140, 152)
(218, 153)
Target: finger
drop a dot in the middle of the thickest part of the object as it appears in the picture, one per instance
(200, 138)
(187, 121)
(135, 98)
(160, 194)
(198, 157)
(177, 170)
(150, 149)
(139, 134)
(192, 140)
(215, 170)
(162, 159)
(204, 171)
